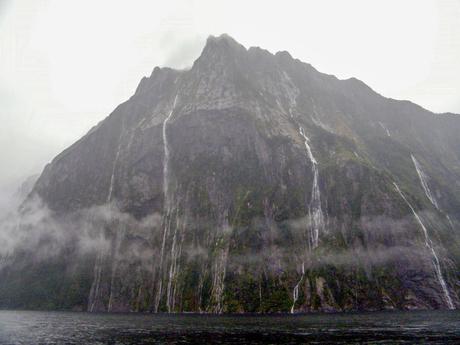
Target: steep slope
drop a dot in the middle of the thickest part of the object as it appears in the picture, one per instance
(253, 183)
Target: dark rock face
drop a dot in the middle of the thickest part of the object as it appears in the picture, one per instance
(254, 183)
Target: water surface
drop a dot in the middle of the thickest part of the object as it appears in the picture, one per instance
(27, 327)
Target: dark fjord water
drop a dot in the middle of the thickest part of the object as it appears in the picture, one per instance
(434, 327)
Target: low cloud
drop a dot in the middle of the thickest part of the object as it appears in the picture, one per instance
(35, 230)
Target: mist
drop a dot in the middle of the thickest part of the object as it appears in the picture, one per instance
(33, 228)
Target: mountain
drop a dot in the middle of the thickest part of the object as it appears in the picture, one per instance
(249, 183)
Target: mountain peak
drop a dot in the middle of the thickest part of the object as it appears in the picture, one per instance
(223, 39)
(219, 48)
(223, 43)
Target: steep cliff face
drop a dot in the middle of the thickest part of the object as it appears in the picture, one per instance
(254, 183)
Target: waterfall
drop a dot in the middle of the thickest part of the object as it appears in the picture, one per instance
(423, 181)
(315, 212)
(167, 203)
(169, 294)
(385, 129)
(118, 241)
(118, 236)
(94, 292)
(219, 265)
(307, 146)
(176, 249)
(429, 245)
(218, 282)
(96, 282)
(112, 177)
(166, 157)
(295, 292)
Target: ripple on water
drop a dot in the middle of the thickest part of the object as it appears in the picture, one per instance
(433, 327)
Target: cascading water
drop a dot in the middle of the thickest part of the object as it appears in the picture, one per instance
(169, 295)
(176, 249)
(219, 267)
(112, 177)
(423, 181)
(429, 245)
(116, 259)
(291, 91)
(295, 293)
(385, 129)
(167, 203)
(119, 236)
(219, 270)
(94, 292)
(166, 156)
(315, 212)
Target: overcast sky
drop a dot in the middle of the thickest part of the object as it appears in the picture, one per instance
(65, 65)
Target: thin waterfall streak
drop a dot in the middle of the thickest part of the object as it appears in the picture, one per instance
(158, 295)
(94, 292)
(160, 278)
(307, 146)
(167, 202)
(423, 181)
(219, 266)
(115, 163)
(218, 285)
(109, 199)
(96, 282)
(200, 292)
(315, 212)
(429, 245)
(172, 271)
(112, 177)
(176, 270)
(175, 263)
(166, 155)
(120, 235)
(295, 292)
(385, 129)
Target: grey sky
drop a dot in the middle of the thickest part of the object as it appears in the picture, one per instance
(64, 65)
